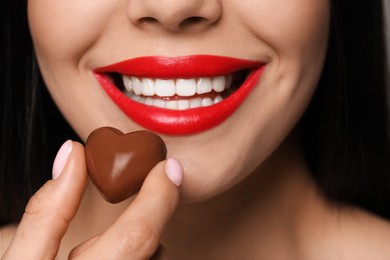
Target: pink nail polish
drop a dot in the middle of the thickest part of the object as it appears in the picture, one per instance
(174, 171)
(61, 158)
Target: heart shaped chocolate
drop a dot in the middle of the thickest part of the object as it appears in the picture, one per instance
(119, 163)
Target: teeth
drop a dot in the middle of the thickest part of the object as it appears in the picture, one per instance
(148, 87)
(137, 85)
(219, 84)
(183, 104)
(158, 103)
(180, 87)
(207, 102)
(143, 89)
(149, 101)
(204, 86)
(177, 104)
(185, 87)
(229, 81)
(171, 104)
(218, 99)
(196, 102)
(128, 84)
(165, 88)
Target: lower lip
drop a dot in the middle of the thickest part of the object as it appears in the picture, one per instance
(180, 122)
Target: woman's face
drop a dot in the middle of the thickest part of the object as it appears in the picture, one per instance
(274, 51)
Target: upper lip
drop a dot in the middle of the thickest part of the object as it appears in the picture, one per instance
(179, 67)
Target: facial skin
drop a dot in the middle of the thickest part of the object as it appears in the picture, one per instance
(72, 38)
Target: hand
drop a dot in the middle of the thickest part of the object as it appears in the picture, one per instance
(134, 235)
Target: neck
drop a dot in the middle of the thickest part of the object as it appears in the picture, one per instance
(262, 216)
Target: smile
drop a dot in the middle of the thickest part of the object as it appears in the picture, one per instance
(181, 95)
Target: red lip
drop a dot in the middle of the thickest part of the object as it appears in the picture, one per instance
(174, 122)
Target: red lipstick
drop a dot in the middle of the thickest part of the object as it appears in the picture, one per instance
(180, 122)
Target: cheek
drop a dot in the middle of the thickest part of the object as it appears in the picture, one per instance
(63, 30)
(289, 27)
(296, 32)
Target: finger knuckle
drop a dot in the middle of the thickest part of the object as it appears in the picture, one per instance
(170, 198)
(36, 205)
(140, 239)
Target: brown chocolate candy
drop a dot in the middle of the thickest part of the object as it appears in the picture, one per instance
(119, 163)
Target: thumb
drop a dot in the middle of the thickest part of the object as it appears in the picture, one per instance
(49, 211)
(136, 233)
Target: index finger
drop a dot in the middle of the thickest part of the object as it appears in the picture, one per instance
(50, 210)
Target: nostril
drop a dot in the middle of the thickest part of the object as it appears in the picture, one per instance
(188, 22)
(147, 20)
(192, 21)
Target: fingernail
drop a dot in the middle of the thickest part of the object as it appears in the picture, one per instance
(61, 158)
(174, 171)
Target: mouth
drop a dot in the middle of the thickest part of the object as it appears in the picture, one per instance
(182, 95)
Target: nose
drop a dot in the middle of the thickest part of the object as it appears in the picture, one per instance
(174, 15)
